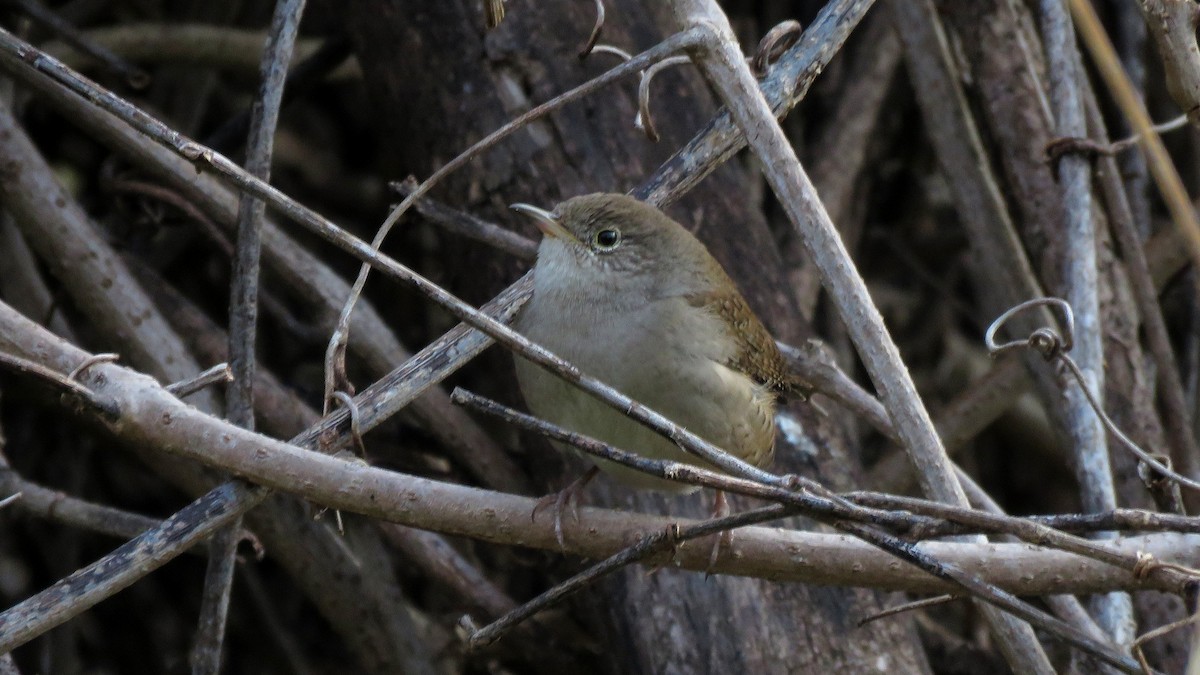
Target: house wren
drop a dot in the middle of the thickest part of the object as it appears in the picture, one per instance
(634, 299)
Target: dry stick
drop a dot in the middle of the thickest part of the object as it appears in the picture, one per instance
(721, 61)
(1183, 214)
(156, 419)
(243, 323)
(1122, 224)
(134, 76)
(826, 511)
(827, 506)
(1109, 521)
(335, 353)
(1026, 529)
(1081, 287)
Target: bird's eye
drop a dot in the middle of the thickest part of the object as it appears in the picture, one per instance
(607, 240)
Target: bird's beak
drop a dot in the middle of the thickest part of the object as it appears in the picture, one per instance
(545, 221)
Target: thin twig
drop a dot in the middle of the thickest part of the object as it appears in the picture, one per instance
(243, 322)
(648, 546)
(461, 222)
(134, 76)
(1136, 646)
(217, 374)
(909, 607)
(672, 470)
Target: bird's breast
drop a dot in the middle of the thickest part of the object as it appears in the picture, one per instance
(664, 354)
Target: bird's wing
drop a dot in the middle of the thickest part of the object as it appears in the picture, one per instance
(757, 356)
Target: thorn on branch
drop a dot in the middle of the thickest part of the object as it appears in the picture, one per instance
(909, 607)
(217, 374)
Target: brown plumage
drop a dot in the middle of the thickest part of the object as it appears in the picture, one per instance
(631, 297)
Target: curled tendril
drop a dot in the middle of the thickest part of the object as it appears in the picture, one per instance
(1044, 340)
(355, 430)
(590, 45)
(643, 120)
(777, 41)
(1052, 347)
(93, 360)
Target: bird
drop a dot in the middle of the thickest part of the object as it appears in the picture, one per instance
(631, 297)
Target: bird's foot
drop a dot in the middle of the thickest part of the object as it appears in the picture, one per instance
(565, 498)
(720, 509)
